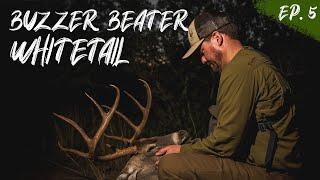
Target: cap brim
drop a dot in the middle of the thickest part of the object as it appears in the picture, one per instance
(192, 48)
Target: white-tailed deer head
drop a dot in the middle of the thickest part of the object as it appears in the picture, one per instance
(142, 166)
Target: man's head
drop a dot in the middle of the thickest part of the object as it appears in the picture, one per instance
(214, 34)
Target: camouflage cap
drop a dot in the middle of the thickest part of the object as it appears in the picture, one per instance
(202, 26)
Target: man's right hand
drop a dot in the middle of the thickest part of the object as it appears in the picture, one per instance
(169, 150)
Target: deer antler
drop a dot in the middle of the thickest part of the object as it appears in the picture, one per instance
(145, 113)
(106, 118)
(91, 142)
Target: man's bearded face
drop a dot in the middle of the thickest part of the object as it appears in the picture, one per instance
(211, 56)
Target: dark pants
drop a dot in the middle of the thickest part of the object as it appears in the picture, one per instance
(200, 166)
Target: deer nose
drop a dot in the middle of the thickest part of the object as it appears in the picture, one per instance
(183, 133)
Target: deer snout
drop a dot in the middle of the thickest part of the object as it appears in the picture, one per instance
(179, 137)
(184, 135)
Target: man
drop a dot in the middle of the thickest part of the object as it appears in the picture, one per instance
(256, 135)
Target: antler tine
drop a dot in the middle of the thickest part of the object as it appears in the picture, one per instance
(145, 113)
(101, 111)
(82, 133)
(123, 139)
(106, 117)
(124, 117)
(76, 126)
(74, 151)
(91, 142)
(144, 110)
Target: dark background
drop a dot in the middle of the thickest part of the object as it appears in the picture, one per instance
(182, 90)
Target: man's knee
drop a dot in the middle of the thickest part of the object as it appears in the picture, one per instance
(170, 165)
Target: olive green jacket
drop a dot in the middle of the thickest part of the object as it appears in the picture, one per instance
(251, 88)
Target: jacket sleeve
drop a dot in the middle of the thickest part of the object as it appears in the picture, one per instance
(236, 97)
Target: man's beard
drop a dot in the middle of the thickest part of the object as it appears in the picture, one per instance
(215, 64)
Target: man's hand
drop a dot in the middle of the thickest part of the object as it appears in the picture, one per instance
(169, 150)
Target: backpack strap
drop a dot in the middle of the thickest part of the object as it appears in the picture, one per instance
(266, 125)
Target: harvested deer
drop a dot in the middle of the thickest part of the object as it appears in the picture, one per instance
(142, 163)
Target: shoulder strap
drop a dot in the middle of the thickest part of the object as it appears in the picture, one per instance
(264, 125)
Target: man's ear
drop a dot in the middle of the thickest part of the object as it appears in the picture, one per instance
(217, 39)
